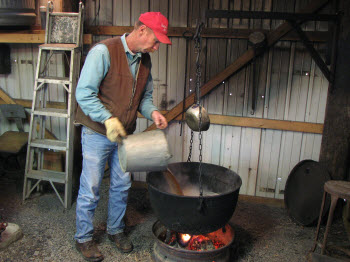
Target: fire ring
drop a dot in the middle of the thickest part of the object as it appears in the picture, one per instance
(165, 252)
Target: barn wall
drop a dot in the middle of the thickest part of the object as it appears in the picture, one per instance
(289, 85)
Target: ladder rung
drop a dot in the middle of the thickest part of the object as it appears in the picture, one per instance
(51, 112)
(49, 144)
(47, 175)
(54, 80)
(59, 47)
(64, 14)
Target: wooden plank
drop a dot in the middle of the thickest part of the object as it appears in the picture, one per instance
(265, 123)
(271, 139)
(245, 58)
(262, 200)
(176, 62)
(3, 95)
(269, 163)
(215, 51)
(121, 12)
(267, 7)
(28, 103)
(6, 98)
(33, 38)
(248, 160)
(237, 33)
(223, 120)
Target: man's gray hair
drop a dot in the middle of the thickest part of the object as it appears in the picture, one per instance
(138, 23)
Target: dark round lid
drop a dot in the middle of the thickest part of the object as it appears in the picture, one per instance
(304, 192)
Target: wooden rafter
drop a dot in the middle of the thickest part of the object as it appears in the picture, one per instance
(234, 33)
(240, 62)
(9, 100)
(38, 36)
(34, 38)
(295, 126)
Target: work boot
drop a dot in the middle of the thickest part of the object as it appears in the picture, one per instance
(122, 242)
(89, 251)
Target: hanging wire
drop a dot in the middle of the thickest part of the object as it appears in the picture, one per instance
(97, 13)
(185, 80)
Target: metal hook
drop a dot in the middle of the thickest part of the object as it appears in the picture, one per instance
(49, 6)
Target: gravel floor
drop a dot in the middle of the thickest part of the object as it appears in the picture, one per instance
(262, 232)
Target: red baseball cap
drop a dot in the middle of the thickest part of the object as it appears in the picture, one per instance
(159, 25)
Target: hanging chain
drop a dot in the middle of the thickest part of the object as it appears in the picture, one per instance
(200, 155)
(198, 47)
(190, 151)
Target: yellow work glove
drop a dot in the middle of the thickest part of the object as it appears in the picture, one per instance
(115, 129)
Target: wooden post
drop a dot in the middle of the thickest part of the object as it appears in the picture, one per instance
(335, 147)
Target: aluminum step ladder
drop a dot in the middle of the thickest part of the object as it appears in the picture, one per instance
(64, 37)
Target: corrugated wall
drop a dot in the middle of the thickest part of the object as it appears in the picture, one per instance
(289, 86)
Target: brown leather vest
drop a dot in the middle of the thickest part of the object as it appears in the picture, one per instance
(118, 91)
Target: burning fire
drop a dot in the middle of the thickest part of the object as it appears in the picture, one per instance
(183, 239)
(195, 242)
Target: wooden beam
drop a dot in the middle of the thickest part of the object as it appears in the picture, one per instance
(266, 123)
(211, 13)
(28, 103)
(274, 202)
(8, 100)
(285, 125)
(221, 120)
(241, 61)
(32, 38)
(315, 36)
(38, 36)
(314, 54)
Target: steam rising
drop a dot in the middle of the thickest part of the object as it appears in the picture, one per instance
(189, 188)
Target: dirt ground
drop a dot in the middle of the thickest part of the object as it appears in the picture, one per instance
(263, 232)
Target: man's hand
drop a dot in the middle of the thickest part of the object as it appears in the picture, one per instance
(115, 129)
(159, 120)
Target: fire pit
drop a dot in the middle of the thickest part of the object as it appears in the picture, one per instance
(193, 227)
(191, 214)
(209, 247)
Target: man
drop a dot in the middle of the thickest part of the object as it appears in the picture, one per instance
(115, 83)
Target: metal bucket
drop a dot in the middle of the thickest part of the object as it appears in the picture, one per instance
(146, 151)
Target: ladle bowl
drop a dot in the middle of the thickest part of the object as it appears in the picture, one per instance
(186, 214)
(193, 118)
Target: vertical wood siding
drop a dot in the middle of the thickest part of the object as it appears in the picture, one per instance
(289, 87)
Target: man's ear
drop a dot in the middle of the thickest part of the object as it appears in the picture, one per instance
(142, 29)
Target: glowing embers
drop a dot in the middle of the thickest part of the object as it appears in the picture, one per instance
(171, 246)
(204, 242)
(193, 242)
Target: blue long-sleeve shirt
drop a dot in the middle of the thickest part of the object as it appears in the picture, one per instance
(95, 68)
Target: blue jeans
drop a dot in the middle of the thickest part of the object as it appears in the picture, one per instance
(97, 149)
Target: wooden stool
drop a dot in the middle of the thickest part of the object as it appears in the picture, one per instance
(12, 143)
(337, 189)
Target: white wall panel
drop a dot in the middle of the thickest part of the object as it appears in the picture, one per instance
(289, 87)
